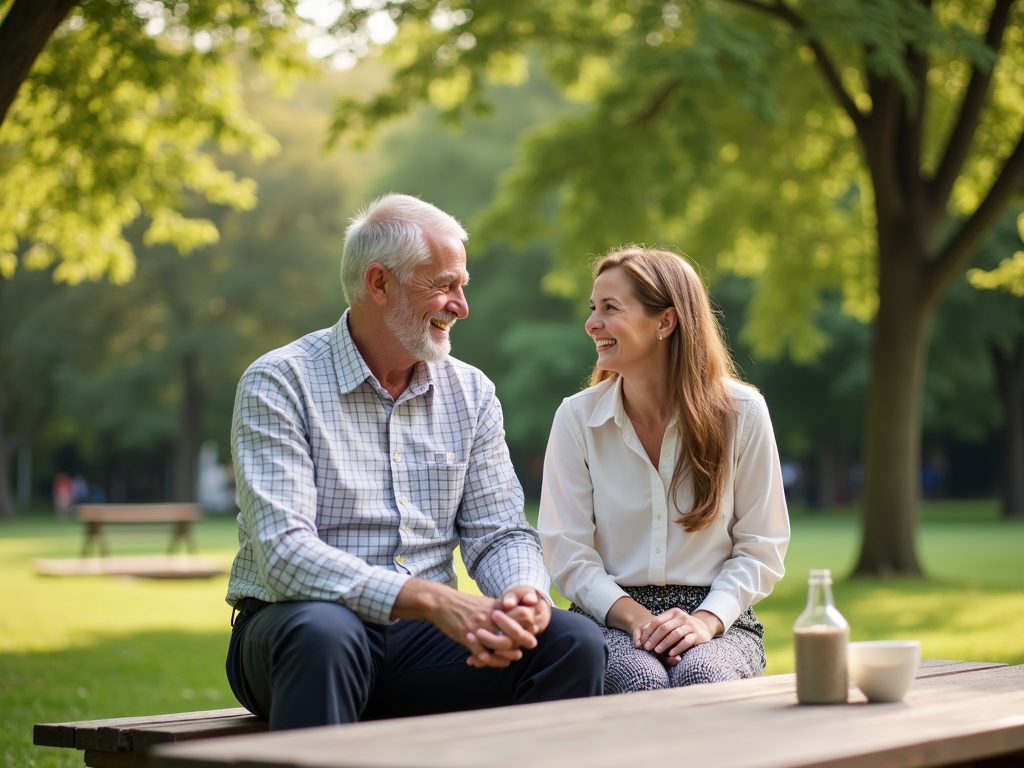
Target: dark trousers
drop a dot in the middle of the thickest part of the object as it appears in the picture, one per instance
(303, 664)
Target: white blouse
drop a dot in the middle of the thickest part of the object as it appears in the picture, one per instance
(606, 520)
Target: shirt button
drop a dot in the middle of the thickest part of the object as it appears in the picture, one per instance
(404, 500)
(659, 518)
(400, 560)
(657, 551)
(406, 529)
(398, 457)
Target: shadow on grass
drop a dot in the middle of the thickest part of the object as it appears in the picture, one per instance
(117, 676)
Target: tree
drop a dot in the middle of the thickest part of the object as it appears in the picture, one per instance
(1001, 316)
(32, 359)
(108, 112)
(864, 145)
(141, 374)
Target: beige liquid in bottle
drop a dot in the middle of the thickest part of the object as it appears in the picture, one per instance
(821, 664)
(820, 637)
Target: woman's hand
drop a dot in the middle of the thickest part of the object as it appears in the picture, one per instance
(628, 615)
(675, 631)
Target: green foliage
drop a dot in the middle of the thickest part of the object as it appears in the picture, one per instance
(111, 358)
(117, 121)
(705, 126)
(1008, 275)
(961, 393)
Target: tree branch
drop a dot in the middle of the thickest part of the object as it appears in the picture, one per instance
(828, 69)
(963, 244)
(912, 123)
(23, 34)
(960, 140)
(658, 102)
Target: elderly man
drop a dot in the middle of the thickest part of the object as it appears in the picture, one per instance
(363, 455)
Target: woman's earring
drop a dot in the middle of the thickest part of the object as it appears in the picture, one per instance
(659, 337)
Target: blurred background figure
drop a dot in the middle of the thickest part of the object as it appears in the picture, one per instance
(215, 483)
(63, 495)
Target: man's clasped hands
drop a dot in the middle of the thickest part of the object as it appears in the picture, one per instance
(494, 630)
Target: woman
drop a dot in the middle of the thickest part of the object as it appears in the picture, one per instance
(662, 511)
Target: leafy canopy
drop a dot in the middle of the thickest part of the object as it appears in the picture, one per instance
(119, 119)
(708, 126)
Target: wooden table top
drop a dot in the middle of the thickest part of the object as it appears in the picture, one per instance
(954, 712)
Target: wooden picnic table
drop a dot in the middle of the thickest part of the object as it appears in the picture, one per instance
(955, 714)
(98, 516)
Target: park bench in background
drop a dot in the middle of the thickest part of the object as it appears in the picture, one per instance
(122, 742)
(98, 516)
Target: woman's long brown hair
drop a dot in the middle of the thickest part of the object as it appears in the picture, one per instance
(699, 364)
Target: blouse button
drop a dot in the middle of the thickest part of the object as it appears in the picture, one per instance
(657, 551)
(659, 518)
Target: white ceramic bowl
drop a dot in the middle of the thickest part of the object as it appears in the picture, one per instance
(883, 669)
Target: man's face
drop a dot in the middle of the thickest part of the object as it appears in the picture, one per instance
(431, 301)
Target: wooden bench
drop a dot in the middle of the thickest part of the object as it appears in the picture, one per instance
(122, 742)
(97, 516)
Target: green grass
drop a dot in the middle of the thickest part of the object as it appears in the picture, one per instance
(94, 647)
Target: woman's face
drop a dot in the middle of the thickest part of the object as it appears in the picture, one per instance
(626, 336)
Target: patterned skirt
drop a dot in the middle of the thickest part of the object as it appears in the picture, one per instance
(734, 655)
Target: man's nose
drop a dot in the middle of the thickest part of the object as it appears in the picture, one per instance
(457, 304)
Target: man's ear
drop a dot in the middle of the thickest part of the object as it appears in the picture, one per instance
(378, 283)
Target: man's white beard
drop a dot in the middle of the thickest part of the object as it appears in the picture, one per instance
(416, 338)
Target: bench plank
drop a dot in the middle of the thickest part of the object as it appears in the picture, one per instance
(83, 734)
(138, 513)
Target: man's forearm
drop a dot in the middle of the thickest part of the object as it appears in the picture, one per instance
(420, 599)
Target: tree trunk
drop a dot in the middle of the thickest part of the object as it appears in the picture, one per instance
(831, 476)
(892, 436)
(24, 32)
(187, 450)
(1010, 380)
(7, 508)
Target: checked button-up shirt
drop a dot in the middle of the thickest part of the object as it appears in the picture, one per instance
(346, 493)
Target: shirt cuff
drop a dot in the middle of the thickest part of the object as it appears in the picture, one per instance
(378, 597)
(723, 605)
(601, 596)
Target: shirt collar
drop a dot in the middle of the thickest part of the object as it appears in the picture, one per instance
(609, 406)
(352, 370)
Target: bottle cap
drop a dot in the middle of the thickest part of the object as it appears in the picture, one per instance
(821, 576)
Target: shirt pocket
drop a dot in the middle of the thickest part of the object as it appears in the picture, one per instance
(437, 488)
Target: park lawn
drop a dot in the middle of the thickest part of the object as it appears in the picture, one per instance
(94, 647)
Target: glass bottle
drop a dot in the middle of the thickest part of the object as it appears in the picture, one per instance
(820, 636)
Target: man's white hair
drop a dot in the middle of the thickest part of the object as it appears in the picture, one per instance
(391, 231)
